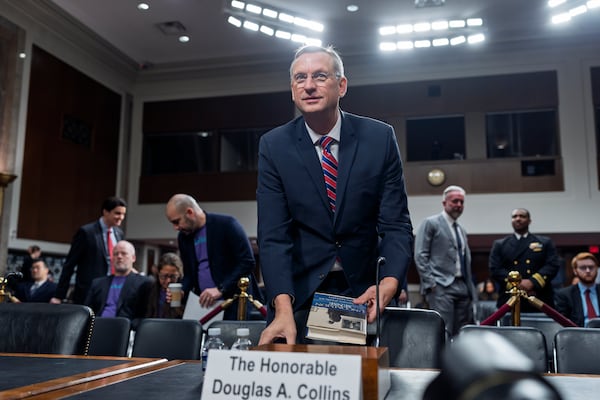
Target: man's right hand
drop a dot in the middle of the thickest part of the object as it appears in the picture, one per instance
(283, 325)
(55, 300)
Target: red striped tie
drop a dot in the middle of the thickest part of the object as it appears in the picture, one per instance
(329, 164)
(110, 249)
(590, 306)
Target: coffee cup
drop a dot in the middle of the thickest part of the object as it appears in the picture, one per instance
(176, 294)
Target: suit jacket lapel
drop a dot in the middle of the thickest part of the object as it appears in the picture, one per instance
(98, 237)
(308, 156)
(346, 155)
(520, 245)
(447, 231)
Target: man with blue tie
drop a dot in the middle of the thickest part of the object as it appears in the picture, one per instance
(579, 302)
(40, 289)
(331, 200)
(443, 259)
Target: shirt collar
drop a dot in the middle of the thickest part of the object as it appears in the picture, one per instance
(583, 288)
(333, 133)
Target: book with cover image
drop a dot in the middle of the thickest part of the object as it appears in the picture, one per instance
(335, 318)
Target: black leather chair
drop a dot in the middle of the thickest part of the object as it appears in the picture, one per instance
(547, 325)
(483, 365)
(414, 337)
(530, 341)
(228, 330)
(179, 339)
(593, 323)
(44, 328)
(110, 337)
(577, 351)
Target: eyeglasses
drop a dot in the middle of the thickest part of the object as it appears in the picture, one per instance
(586, 267)
(319, 78)
(163, 277)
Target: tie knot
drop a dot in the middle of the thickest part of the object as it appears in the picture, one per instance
(326, 141)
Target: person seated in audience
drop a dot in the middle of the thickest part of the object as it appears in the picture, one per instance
(579, 302)
(124, 294)
(33, 253)
(40, 289)
(488, 291)
(169, 270)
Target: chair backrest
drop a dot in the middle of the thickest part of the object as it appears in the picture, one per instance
(228, 330)
(593, 323)
(577, 351)
(483, 309)
(168, 338)
(110, 337)
(414, 337)
(44, 328)
(549, 327)
(530, 341)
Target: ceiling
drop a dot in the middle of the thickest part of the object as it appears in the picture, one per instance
(135, 34)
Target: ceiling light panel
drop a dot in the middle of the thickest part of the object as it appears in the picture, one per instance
(281, 24)
(564, 11)
(438, 33)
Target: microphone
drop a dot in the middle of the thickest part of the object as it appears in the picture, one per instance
(380, 262)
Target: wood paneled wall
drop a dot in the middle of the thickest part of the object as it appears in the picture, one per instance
(208, 114)
(64, 183)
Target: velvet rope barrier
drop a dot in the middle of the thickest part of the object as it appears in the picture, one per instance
(551, 312)
(499, 313)
(257, 304)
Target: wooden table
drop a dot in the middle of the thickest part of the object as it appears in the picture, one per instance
(182, 380)
(25, 375)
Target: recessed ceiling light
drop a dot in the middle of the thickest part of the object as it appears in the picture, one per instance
(22, 55)
(352, 8)
(143, 6)
(184, 38)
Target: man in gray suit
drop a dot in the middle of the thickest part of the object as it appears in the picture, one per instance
(443, 260)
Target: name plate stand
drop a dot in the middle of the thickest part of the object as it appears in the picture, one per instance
(375, 363)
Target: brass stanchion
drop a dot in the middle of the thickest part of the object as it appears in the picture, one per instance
(242, 299)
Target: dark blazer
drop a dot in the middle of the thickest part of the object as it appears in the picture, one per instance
(534, 257)
(89, 254)
(43, 294)
(133, 298)
(230, 257)
(568, 303)
(300, 237)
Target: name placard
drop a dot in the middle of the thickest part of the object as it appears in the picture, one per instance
(249, 375)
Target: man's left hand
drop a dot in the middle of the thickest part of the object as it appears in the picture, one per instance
(209, 296)
(387, 290)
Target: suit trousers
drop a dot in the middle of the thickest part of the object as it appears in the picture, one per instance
(454, 303)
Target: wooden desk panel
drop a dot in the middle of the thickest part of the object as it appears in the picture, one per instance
(25, 375)
(178, 380)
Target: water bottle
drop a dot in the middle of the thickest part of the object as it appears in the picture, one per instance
(242, 342)
(214, 342)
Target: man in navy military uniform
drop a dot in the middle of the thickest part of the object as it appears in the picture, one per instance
(533, 256)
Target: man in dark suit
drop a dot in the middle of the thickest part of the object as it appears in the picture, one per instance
(33, 252)
(215, 252)
(89, 253)
(325, 230)
(443, 259)
(124, 294)
(533, 256)
(39, 289)
(579, 302)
